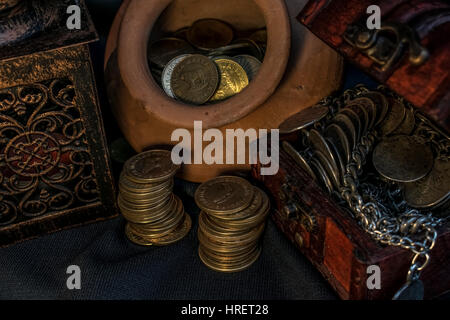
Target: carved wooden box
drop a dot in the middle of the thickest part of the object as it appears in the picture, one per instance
(54, 167)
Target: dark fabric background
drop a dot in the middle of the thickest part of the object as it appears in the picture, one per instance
(114, 268)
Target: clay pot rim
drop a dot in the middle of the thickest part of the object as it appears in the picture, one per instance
(135, 30)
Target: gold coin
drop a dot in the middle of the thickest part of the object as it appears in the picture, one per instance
(176, 235)
(226, 268)
(233, 79)
(140, 198)
(142, 210)
(136, 239)
(250, 211)
(144, 206)
(224, 195)
(221, 248)
(151, 216)
(133, 187)
(402, 158)
(150, 166)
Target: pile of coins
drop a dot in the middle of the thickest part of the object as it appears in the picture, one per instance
(231, 223)
(411, 157)
(155, 216)
(207, 62)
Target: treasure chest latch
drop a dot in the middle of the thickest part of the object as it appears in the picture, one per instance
(385, 46)
(294, 209)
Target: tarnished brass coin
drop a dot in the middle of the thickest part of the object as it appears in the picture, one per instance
(381, 103)
(219, 248)
(299, 159)
(304, 119)
(166, 75)
(402, 158)
(224, 195)
(394, 117)
(195, 79)
(250, 64)
(150, 167)
(349, 128)
(339, 138)
(433, 189)
(207, 34)
(228, 268)
(136, 239)
(408, 124)
(152, 196)
(176, 235)
(233, 79)
(259, 36)
(136, 206)
(149, 216)
(133, 187)
(162, 51)
(256, 211)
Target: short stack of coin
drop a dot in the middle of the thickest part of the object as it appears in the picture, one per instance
(155, 216)
(207, 62)
(231, 223)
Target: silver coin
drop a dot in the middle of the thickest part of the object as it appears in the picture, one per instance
(321, 173)
(349, 128)
(299, 159)
(334, 175)
(250, 64)
(167, 74)
(339, 138)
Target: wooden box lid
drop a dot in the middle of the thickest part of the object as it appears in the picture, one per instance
(410, 53)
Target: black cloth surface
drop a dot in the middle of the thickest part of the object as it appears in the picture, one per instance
(114, 268)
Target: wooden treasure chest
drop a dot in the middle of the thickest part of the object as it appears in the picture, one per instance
(363, 188)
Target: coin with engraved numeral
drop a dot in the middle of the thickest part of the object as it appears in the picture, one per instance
(403, 158)
(224, 195)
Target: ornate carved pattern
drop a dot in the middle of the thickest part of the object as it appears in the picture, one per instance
(45, 163)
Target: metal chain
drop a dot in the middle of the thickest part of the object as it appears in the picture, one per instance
(384, 227)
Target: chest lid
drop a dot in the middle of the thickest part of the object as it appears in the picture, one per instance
(409, 50)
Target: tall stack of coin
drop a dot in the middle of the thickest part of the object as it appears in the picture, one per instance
(207, 62)
(155, 216)
(231, 223)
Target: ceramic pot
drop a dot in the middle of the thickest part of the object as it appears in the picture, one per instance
(147, 116)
